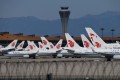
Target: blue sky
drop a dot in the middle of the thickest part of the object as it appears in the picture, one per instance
(48, 9)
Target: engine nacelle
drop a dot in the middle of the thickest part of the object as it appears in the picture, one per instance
(116, 57)
(60, 55)
(26, 56)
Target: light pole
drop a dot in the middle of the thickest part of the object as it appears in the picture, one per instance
(112, 33)
(102, 29)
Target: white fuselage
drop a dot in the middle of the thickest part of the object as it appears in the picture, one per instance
(112, 46)
(64, 53)
(4, 49)
(108, 51)
(20, 53)
(83, 52)
(45, 52)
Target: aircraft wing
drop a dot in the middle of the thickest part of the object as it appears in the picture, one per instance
(69, 50)
(102, 53)
(58, 51)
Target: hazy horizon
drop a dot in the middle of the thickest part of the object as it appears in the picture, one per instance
(48, 9)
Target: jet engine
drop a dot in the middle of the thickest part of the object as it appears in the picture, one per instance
(59, 55)
(26, 56)
(116, 57)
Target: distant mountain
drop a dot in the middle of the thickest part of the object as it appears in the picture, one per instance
(29, 25)
(32, 25)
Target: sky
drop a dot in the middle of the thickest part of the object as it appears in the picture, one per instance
(48, 9)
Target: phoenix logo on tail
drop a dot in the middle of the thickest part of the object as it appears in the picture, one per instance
(51, 45)
(71, 43)
(40, 46)
(86, 44)
(21, 45)
(44, 42)
(13, 44)
(31, 47)
(58, 46)
(98, 45)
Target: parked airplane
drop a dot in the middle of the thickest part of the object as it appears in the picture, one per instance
(86, 42)
(31, 52)
(64, 53)
(20, 46)
(75, 49)
(108, 50)
(51, 45)
(10, 47)
(108, 53)
(43, 51)
(98, 42)
(41, 46)
(46, 43)
(57, 50)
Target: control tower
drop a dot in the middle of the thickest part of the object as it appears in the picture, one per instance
(64, 15)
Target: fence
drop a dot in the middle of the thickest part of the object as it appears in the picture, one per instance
(59, 70)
